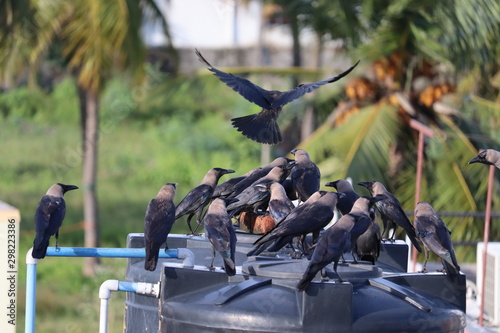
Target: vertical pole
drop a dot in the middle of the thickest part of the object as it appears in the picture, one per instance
(423, 131)
(486, 236)
(29, 321)
(420, 163)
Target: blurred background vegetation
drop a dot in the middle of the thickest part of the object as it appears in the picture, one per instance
(435, 62)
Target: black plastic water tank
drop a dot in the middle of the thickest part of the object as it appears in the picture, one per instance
(262, 296)
(142, 311)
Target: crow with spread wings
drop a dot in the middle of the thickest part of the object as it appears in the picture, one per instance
(262, 127)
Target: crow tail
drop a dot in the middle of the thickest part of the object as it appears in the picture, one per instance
(40, 249)
(258, 127)
(151, 256)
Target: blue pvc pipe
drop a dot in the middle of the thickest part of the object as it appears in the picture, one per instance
(106, 252)
(127, 286)
(29, 323)
(29, 326)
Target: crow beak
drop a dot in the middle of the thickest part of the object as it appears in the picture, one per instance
(474, 160)
(67, 188)
(332, 184)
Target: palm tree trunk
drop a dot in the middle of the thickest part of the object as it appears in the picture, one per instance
(90, 121)
(82, 96)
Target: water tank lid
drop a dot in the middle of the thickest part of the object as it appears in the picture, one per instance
(241, 288)
(294, 269)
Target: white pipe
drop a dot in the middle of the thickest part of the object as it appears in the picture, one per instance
(105, 294)
(188, 257)
(144, 288)
(103, 321)
(108, 286)
(31, 263)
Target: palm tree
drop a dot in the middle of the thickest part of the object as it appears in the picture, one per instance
(96, 37)
(16, 31)
(416, 61)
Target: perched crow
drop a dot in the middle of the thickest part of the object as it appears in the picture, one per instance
(219, 231)
(279, 204)
(311, 217)
(390, 210)
(330, 247)
(262, 244)
(252, 198)
(194, 202)
(337, 240)
(489, 157)
(262, 127)
(368, 244)
(160, 216)
(227, 188)
(361, 210)
(305, 175)
(49, 217)
(257, 174)
(436, 237)
(344, 204)
(290, 192)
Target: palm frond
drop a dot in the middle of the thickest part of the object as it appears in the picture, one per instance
(359, 148)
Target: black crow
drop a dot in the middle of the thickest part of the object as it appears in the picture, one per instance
(338, 239)
(297, 211)
(220, 232)
(488, 156)
(160, 216)
(252, 198)
(258, 174)
(194, 202)
(279, 204)
(436, 237)
(390, 210)
(361, 209)
(290, 193)
(344, 204)
(227, 188)
(305, 175)
(49, 216)
(262, 127)
(311, 217)
(330, 247)
(368, 244)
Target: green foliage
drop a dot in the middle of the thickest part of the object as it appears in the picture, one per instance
(60, 106)
(21, 103)
(137, 156)
(358, 148)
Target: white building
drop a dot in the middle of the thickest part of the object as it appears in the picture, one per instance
(235, 32)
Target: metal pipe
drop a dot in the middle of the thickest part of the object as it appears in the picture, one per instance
(29, 322)
(422, 132)
(420, 158)
(487, 219)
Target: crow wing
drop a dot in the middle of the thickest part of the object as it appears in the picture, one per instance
(303, 89)
(244, 87)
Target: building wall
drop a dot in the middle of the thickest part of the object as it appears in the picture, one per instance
(234, 33)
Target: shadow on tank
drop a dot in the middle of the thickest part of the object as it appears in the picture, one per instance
(262, 296)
